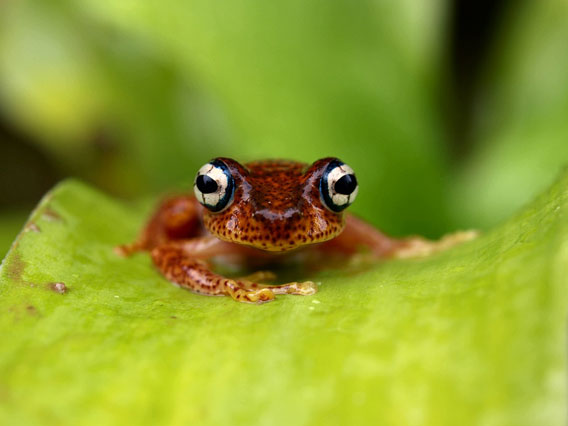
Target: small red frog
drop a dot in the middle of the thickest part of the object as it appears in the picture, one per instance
(261, 210)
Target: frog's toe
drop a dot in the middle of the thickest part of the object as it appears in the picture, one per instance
(244, 291)
(307, 287)
(258, 296)
(420, 247)
(241, 294)
(304, 289)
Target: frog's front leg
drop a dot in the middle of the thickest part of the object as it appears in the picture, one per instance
(183, 263)
(175, 218)
(419, 247)
(358, 233)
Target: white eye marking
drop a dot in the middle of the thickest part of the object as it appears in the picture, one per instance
(213, 186)
(332, 178)
(339, 186)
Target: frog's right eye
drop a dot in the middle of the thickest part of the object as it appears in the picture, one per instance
(214, 186)
(338, 186)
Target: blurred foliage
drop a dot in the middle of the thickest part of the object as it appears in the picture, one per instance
(10, 224)
(520, 125)
(134, 96)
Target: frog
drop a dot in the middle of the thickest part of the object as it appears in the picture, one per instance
(264, 211)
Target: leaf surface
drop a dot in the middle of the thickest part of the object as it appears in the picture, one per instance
(475, 335)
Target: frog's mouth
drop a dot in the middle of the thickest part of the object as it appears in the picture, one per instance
(274, 230)
(278, 238)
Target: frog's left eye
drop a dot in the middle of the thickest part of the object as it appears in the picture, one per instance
(338, 186)
(214, 186)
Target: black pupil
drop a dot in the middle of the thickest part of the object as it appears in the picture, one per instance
(205, 184)
(346, 185)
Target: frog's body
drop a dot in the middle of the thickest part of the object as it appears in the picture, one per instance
(260, 210)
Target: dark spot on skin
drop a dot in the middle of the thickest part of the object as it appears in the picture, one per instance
(31, 310)
(60, 288)
(173, 317)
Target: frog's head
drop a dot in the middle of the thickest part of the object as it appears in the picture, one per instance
(275, 205)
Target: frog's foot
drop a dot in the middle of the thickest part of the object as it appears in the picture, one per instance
(420, 247)
(261, 293)
(305, 288)
(179, 267)
(241, 292)
(248, 291)
(253, 281)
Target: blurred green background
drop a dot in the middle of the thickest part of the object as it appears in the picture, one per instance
(453, 115)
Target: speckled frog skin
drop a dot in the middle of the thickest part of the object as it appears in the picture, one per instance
(261, 211)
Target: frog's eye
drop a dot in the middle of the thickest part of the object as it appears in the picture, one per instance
(338, 186)
(214, 186)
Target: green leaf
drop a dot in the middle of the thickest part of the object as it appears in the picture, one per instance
(475, 335)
